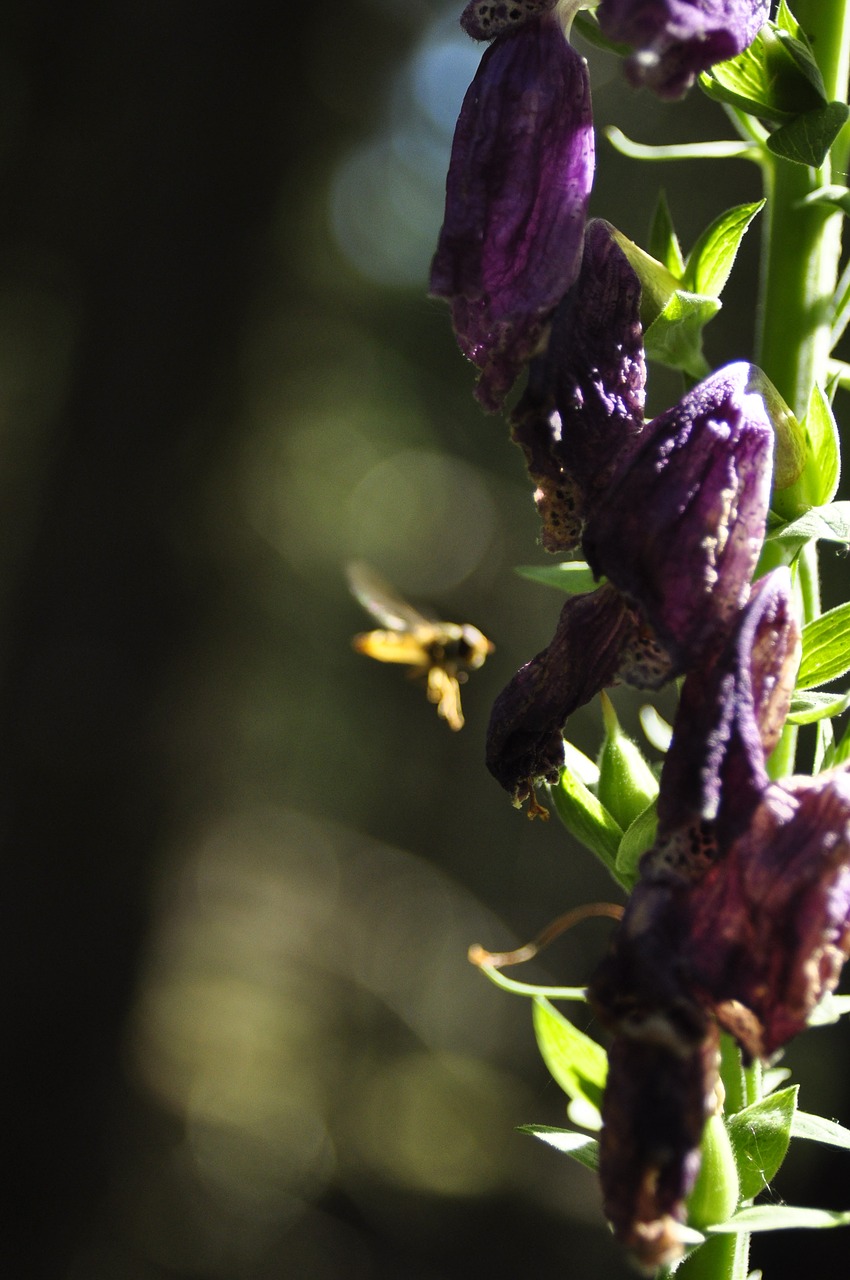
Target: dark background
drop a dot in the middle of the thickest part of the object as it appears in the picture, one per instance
(241, 865)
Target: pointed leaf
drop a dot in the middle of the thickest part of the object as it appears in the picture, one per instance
(572, 576)
(575, 1062)
(637, 839)
(760, 1135)
(818, 1129)
(826, 524)
(826, 648)
(829, 1010)
(823, 464)
(808, 138)
(807, 708)
(663, 241)
(780, 1217)
(586, 817)
(712, 257)
(578, 1145)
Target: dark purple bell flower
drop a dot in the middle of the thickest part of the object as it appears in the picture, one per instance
(525, 739)
(516, 197)
(680, 528)
(674, 40)
(582, 410)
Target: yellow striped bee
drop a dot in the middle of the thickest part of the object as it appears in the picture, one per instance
(442, 652)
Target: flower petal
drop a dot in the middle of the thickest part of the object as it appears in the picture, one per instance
(674, 40)
(524, 738)
(516, 196)
(680, 528)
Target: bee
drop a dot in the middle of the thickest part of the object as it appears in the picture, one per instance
(443, 652)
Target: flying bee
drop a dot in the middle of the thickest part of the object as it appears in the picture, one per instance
(443, 652)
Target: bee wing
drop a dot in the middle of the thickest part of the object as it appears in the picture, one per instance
(378, 598)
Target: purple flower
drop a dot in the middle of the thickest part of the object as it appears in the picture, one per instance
(674, 40)
(740, 919)
(680, 527)
(516, 196)
(582, 410)
(677, 533)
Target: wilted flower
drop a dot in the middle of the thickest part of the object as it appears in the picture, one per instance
(582, 410)
(740, 919)
(674, 40)
(516, 197)
(677, 533)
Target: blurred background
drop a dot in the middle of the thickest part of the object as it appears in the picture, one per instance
(242, 864)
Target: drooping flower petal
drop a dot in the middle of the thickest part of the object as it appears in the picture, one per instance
(516, 197)
(582, 410)
(680, 528)
(731, 712)
(524, 738)
(674, 40)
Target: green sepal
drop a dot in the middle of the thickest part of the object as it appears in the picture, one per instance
(588, 28)
(580, 1146)
(807, 139)
(627, 784)
(576, 1063)
(826, 648)
(584, 815)
(571, 576)
(715, 1194)
(674, 338)
(760, 1135)
(828, 1010)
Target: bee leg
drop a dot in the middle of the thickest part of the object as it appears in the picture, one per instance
(444, 691)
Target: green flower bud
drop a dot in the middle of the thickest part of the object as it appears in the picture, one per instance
(715, 1195)
(627, 785)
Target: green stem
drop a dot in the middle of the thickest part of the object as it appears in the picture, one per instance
(722, 1257)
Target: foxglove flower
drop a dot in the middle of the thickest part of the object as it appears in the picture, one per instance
(674, 40)
(677, 533)
(516, 198)
(740, 920)
(582, 410)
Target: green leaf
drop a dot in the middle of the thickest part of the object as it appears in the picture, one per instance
(578, 1145)
(663, 241)
(780, 1217)
(586, 817)
(807, 708)
(808, 138)
(626, 782)
(775, 78)
(823, 463)
(572, 576)
(712, 257)
(824, 524)
(826, 648)
(818, 1129)
(637, 838)
(842, 748)
(588, 29)
(773, 1077)
(575, 1062)
(675, 337)
(760, 1135)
